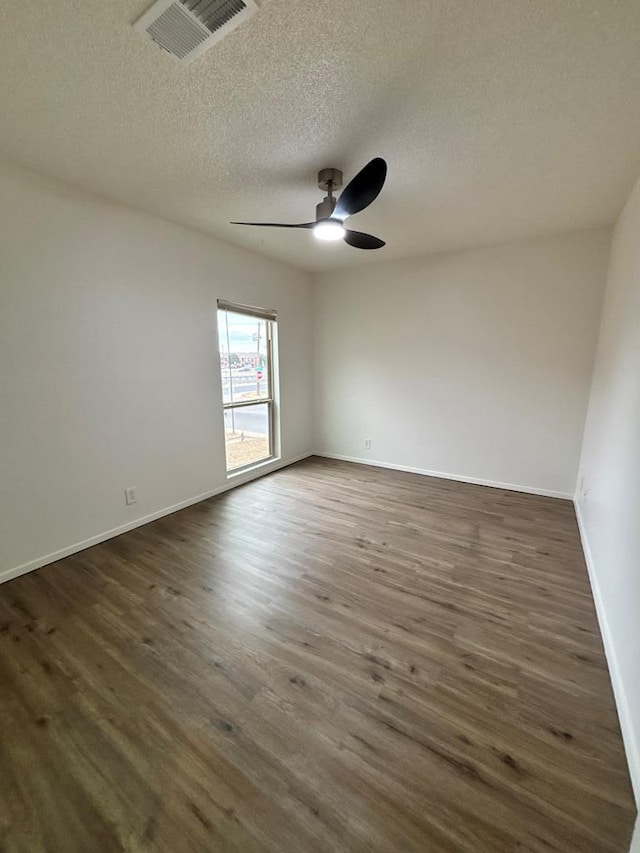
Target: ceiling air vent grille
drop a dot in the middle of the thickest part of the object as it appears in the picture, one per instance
(186, 28)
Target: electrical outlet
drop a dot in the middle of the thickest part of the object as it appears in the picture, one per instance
(367, 444)
(130, 496)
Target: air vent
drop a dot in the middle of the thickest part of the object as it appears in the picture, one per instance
(186, 28)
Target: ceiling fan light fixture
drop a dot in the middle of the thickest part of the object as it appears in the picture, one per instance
(329, 229)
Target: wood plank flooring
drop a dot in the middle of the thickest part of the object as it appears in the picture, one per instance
(332, 658)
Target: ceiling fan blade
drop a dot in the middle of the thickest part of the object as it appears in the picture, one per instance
(362, 190)
(363, 241)
(277, 224)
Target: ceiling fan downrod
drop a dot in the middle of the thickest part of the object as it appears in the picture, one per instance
(328, 180)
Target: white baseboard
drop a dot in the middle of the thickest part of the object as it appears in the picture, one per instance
(620, 694)
(635, 841)
(442, 475)
(240, 479)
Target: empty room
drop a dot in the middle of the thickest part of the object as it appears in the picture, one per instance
(320, 426)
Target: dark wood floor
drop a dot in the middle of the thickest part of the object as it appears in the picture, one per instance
(332, 658)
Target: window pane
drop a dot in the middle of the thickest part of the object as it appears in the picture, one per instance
(247, 435)
(243, 357)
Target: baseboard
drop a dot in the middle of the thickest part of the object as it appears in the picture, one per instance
(635, 841)
(10, 574)
(624, 715)
(442, 475)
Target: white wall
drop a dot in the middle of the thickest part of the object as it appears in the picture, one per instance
(609, 512)
(109, 371)
(473, 364)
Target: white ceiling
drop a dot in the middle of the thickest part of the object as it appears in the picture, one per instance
(498, 118)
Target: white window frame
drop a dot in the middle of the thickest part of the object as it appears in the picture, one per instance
(271, 318)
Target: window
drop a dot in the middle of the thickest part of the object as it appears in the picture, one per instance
(246, 343)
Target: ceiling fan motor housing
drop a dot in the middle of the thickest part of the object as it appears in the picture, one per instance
(325, 208)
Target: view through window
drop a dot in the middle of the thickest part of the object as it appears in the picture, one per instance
(245, 339)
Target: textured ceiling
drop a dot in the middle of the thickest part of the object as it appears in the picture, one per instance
(498, 118)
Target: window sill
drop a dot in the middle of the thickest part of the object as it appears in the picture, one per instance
(248, 469)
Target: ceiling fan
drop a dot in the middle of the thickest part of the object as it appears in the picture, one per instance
(332, 213)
